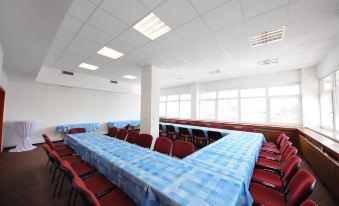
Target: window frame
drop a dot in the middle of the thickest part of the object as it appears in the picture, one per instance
(178, 100)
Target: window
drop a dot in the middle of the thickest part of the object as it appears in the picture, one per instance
(175, 106)
(228, 105)
(284, 104)
(326, 83)
(326, 110)
(207, 105)
(253, 105)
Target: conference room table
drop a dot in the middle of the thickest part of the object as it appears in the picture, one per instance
(218, 174)
(87, 126)
(123, 123)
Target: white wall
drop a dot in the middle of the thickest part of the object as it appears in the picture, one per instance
(54, 105)
(329, 64)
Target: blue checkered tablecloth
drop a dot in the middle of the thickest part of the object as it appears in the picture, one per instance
(88, 126)
(224, 132)
(123, 123)
(215, 175)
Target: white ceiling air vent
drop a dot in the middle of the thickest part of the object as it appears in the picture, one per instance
(267, 61)
(266, 37)
(216, 71)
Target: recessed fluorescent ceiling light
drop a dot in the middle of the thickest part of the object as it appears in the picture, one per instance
(111, 53)
(129, 76)
(216, 71)
(267, 61)
(269, 36)
(151, 26)
(88, 66)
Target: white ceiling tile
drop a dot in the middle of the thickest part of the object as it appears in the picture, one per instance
(138, 55)
(175, 12)
(107, 23)
(95, 1)
(130, 11)
(120, 46)
(134, 38)
(304, 9)
(64, 36)
(328, 33)
(58, 45)
(98, 60)
(240, 44)
(224, 16)
(212, 52)
(71, 24)
(232, 33)
(170, 40)
(81, 9)
(153, 48)
(151, 4)
(86, 44)
(267, 21)
(78, 52)
(267, 51)
(94, 34)
(192, 30)
(255, 7)
(203, 6)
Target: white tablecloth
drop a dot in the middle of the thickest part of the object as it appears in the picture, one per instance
(24, 129)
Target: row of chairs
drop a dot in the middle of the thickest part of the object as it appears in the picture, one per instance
(178, 148)
(86, 181)
(277, 176)
(198, 136)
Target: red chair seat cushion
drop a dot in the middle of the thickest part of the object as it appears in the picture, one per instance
(72, 159)
(116, 198)
(83, 168)
(263, 195)
(270, 156)
(63, 152)
(270, 149)
(98, 183)
(61, 146)
(269, 144)
(267, 177)
(199, 138)
(268, 164)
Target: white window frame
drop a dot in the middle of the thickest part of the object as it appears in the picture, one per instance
(179, 100)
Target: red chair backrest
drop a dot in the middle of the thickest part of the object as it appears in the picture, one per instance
(76, 130)
(68, 169)
(308, 202)
(48, 141)
(132, 136)
(291, 167)
(182, 149)
(85, 193)
(229, 127)
(46, 148)
(163, 145)
(247, 129)
(281, 135)
(301, 186)
(144, 140)
(289, 152)
(56, 158)
(122, 133)
(286, 145)
(283, 140)
(112, 132)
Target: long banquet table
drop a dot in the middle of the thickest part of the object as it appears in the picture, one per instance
(123, 123)
(218, 174)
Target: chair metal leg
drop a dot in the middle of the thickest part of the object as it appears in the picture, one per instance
(57, 183)
(48, 161)
(70, 197)
(54, 174)
(62, 184)
(50, 168)
(75, 198)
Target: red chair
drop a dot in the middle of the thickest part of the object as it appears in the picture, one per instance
(248, 129)
(132, 136)
(285, 155)
(112, 132)
(276, 145)
(122, 134)
(161, 131)
(300, 187)
(163, 145)
(144, 140)
(96, 183)
(184, 134)
(53, 146)
(182, 149)
(274, 180)
(308, 202)
(76, 130)
(214, 136)
(275, 150)
(199, 137)
(115, 197)
(170, 132)
(229, 127)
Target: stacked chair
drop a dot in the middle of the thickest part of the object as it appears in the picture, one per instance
(277, 178)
